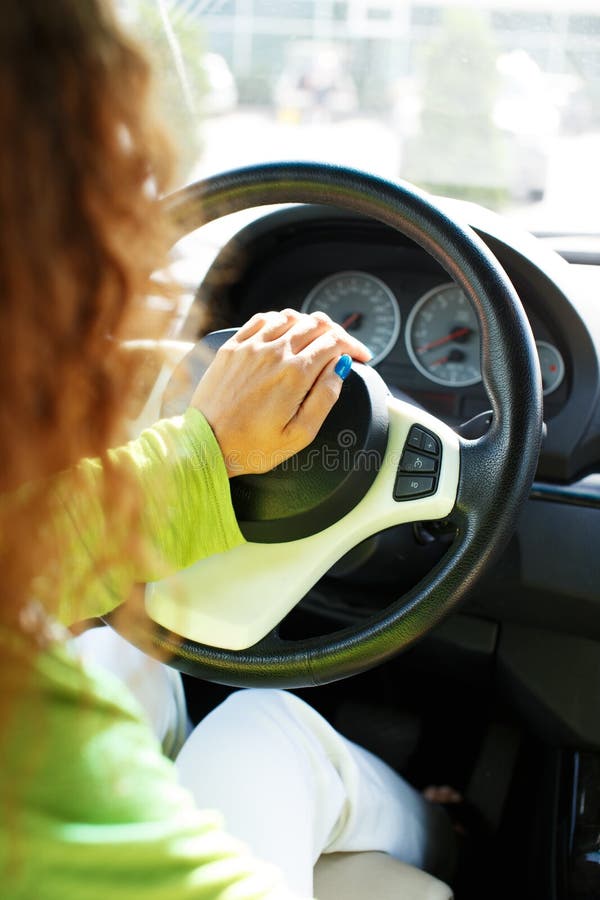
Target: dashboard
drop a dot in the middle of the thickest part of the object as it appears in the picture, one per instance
(424, 336)
(421, 328)
(536, 611)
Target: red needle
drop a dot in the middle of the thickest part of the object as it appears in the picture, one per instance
(439, 362)
(350, 320)
(458, 332)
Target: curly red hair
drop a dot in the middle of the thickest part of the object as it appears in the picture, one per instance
(82, 165)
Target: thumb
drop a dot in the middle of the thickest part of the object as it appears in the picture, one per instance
(320, 399)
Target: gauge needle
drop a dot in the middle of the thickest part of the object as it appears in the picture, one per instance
(457, 333)
(351, 319)
(454, 356)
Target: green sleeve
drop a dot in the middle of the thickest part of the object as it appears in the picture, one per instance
(182, 490)
(90, 809)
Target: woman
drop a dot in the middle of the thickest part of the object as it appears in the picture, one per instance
(90, 807)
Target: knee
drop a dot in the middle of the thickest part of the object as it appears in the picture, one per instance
(259, 724)
(261, 708)
(256, 700)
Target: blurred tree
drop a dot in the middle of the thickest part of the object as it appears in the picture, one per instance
(458, 149)
(181, 103)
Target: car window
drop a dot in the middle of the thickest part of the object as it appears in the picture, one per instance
(476, 101)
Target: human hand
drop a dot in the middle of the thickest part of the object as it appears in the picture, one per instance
(270, 387)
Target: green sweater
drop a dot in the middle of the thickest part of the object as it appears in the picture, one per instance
(89, 807)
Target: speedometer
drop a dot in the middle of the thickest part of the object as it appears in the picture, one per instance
(363, 304)
(443, 338)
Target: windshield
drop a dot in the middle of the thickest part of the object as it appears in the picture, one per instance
(495, 103)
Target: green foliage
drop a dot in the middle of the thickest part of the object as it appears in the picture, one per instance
(182, 114)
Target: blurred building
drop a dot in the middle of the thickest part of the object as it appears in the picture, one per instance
(254, 36)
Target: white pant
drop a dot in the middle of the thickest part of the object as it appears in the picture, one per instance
(287, 783)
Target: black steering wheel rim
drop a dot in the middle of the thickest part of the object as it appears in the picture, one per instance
(496, 471)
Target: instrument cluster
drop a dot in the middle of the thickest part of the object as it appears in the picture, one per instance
(441, 333)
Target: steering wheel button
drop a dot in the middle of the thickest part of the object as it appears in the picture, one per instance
(430, 444)
(417, 462)
(409, 486)
(415, 438)
(423, 440)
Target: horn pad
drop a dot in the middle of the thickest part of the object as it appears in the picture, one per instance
(319, 485)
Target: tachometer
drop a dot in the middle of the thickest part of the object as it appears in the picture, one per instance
(443, 338)
(363, 304)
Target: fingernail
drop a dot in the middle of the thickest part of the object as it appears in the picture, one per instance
(343, 366)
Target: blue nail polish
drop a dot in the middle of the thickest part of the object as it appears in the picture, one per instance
(344, 364)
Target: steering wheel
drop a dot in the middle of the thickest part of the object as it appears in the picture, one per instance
(218, 620)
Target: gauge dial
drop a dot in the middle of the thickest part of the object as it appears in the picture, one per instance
(363, 304)
(443, 338)
(552, 366)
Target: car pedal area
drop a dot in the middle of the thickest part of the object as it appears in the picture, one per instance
(490, 781)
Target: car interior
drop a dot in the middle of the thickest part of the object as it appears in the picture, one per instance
(470, 624)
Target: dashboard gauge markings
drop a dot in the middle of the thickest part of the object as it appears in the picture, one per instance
(361, 303)
(443, 338)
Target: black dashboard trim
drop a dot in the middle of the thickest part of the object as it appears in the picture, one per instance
(582, 493)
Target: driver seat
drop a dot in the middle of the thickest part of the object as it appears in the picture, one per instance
(374, 876)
